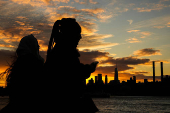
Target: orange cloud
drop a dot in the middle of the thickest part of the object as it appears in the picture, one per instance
(133, 40)
(69, 8)
(168, 24)
(94, 11)
(21, 23)
(104, 17)
(143, 9)
(143, 34)
(9, 46)
(43, 47)
(131, 31)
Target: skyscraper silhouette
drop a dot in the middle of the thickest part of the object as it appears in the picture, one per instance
(96, 79)
(116, 74)
(106, 80)
(100, 79)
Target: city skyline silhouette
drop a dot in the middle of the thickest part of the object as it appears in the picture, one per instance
(79, 50)
(131, 34)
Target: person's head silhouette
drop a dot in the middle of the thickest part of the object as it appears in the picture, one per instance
(28, 45)
(66, 30)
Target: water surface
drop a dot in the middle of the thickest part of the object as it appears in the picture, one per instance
(125, 104)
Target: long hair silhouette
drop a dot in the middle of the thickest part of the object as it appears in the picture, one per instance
(65, 72)
(23, 77)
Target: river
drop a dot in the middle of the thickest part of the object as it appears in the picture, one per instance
(125, 104)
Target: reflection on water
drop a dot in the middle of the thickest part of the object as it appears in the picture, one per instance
(125, 104)
(3, 101)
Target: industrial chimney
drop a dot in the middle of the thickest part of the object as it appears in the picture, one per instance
(161, 71)
(153, 71)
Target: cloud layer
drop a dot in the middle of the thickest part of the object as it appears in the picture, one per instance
(20, 18)
(148, 7)
(24, 17)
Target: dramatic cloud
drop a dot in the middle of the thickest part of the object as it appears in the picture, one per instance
(129, 61)
(107, 64)
(23, 17)
(105, 58)
(88, 56)
(37, 18)
(147, 52)
(17, 25)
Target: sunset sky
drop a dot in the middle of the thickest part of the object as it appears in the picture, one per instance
(131, 33)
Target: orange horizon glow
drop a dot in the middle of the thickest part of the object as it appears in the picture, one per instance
(110, 77)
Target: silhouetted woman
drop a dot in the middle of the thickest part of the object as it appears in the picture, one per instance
(23, 81)
(64, 70)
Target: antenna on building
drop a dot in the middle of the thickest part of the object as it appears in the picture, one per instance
(116, 64)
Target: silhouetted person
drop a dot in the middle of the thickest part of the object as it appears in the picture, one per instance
(23, 79)
(64, 70)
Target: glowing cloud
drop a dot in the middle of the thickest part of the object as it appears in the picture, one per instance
(131, 31)
(133, 40)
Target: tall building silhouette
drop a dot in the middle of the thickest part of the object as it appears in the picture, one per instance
(116, 74)
(100, 81)
(106, 80)
(91, 81)
(96, 79)
(134, 79)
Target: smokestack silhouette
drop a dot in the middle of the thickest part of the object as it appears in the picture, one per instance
(161, 71)
(153, 71)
